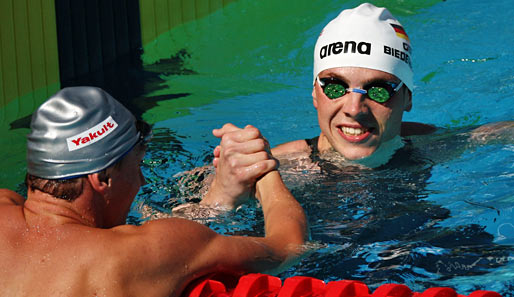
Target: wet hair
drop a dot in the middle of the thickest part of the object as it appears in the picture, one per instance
(71, 188)
(67, 189)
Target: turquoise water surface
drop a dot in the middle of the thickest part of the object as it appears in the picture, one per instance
(441, 214)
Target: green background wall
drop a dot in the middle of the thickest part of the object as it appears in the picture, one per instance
(29, 58)
(29, 67)
(159, 16)
(45, 45)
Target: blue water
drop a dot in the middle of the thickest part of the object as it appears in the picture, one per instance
(443, 215)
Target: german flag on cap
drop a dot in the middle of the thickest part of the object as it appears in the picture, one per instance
(400, 32)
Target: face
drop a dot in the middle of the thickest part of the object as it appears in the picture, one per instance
(353, 124)
(126, 180)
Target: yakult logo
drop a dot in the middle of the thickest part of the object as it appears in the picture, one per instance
(92, 135)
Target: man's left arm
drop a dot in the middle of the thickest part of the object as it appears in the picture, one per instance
(501, 132)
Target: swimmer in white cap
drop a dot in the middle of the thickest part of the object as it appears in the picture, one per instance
(69, 237)
(363, 84)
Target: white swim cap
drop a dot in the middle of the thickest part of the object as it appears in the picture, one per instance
(368, 37)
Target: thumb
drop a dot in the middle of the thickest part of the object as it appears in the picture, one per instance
(227, 128)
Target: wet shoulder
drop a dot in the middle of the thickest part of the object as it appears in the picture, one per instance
(11, 213)
(297, 146)
(415, 128)
(170, 238)
(8, 197)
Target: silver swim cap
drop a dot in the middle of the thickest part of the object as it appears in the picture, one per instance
(366, 36)
(79, 130)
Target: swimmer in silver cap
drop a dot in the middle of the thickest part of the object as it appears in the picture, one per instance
(69, 237)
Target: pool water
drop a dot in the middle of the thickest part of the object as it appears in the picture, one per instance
(441, 213)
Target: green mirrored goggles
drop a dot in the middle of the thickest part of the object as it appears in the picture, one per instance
(379, 91)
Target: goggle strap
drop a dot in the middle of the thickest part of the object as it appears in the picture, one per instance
(398, 87)
(355, 90)
(319, 82)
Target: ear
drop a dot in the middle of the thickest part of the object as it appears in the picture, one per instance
(314, 99)
(99, 184)
(408, 100)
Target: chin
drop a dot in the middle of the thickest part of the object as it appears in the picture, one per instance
(357, 153)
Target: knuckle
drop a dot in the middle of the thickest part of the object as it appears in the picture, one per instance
(228, 151)
(254, 132)
(266, 143)
(275, 163)
(233, 162)
(262, 155)
(240, 173)
(261, 143)
(227, 125)
(227, 140)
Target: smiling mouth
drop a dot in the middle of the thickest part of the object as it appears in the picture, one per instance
(354, 131)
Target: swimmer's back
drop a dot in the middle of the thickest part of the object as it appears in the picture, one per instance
(72, 260)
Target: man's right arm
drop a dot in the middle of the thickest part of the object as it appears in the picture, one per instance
(285, 227)
(177, 251)
(284, 219)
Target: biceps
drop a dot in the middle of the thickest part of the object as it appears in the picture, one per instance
(183, 243)
(240, 254)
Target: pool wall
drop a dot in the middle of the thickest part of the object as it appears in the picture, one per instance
(49, 44)
(29, 70)
(46, 45)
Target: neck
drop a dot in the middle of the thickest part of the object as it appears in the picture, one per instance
(323, 143)
(380, 157)
(383, 154)
(44, 209)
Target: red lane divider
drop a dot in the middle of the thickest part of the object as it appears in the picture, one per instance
(263, 285)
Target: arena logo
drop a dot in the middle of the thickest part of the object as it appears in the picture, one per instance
(339, 47)
(92, 135)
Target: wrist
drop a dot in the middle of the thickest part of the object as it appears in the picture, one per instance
(217, 197)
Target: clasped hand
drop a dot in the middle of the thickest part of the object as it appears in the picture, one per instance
(242, 157)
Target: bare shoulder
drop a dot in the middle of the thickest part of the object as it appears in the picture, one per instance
(177, 227)
(499, 131)
(175, 244)
(171, 240)
(163, 232)
(10, 197)
(297, 146)
(163, 252)
(415, 128)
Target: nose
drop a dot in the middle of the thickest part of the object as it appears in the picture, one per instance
(354, 104)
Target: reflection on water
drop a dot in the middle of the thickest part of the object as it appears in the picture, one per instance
(379, 225)
(164, 160)
(439, 214)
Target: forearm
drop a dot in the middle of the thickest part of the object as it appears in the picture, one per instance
(217, 197)
(284, 218)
